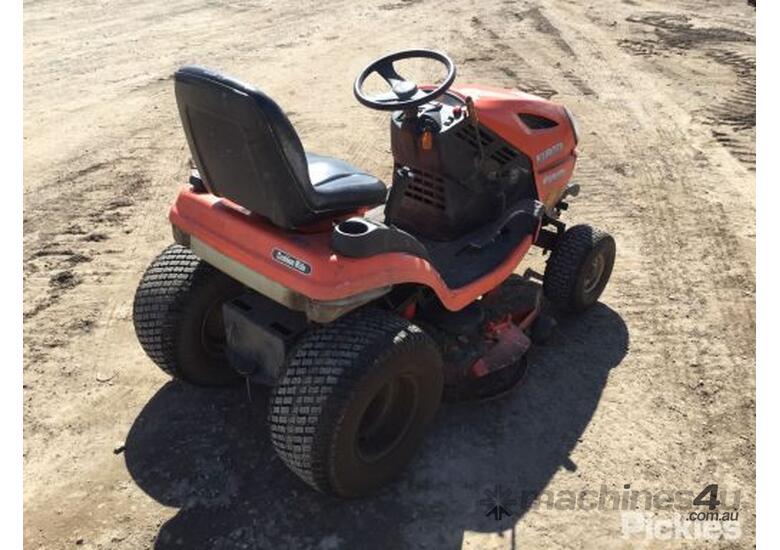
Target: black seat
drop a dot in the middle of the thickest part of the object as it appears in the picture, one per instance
(247, 151)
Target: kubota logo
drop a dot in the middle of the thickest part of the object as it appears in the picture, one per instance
(288, 260)
(549, 153)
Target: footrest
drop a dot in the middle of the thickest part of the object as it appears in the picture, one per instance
(486, 236)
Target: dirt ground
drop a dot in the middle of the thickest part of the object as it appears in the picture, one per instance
(653, 388)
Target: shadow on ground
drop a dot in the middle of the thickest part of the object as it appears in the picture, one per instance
(208, 454)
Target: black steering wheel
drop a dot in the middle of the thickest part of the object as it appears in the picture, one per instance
(404, 93)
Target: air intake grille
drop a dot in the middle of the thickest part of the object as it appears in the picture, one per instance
(426, 188)
(503, 155)
(469, 135)
(536, 122)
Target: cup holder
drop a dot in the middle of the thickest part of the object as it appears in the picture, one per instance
(354, 227)
(362, 238)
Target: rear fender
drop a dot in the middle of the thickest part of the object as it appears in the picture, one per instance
(302, 271)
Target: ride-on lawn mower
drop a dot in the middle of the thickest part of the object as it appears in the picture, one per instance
(365, 309)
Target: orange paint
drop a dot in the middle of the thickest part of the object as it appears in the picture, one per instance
(250, 240)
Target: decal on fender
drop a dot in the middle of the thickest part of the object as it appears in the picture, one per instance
(291, 262)
(549, 178)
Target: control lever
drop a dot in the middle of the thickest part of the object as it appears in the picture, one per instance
(472, 114)
(402, 179)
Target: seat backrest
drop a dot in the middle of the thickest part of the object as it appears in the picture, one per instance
(244, 146)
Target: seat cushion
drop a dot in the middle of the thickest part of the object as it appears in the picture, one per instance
(338, 185)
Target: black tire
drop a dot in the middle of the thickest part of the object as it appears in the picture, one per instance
(579, 268)
(334, 417)
(178, 318)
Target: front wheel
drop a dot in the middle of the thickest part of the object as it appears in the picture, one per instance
(354, 401)
(579, 268)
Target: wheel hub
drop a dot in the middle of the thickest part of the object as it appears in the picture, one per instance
(593, 273)
(213, 331)
(387, 417)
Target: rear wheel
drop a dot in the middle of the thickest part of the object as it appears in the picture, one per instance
(177, 314)
(579, 268)
(354, 401)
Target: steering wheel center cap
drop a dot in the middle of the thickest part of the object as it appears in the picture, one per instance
(404, 89)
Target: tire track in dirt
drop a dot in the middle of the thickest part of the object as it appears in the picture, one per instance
(675, 31)
(543, 25)
(733, 118)
(690, 248)
(737, 112)
(516, 69)
(69, 243)
(676, 206)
